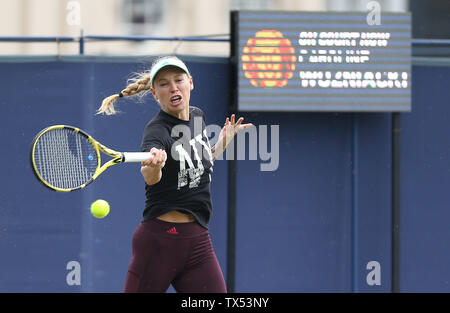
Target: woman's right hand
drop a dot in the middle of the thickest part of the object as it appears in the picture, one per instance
(158, 160)
(151, 168)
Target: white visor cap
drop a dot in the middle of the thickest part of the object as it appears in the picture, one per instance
(171, 61)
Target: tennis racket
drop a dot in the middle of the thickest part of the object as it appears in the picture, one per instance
(65, 158)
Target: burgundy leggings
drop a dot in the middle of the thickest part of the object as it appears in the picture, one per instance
(180, 254)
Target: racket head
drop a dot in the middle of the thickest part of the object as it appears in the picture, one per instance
(64, 158)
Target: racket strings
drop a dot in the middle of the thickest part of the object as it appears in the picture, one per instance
(65, 159)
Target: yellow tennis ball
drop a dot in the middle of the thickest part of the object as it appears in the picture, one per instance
(100, 208)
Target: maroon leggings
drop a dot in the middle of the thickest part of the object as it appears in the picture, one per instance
(180, 254)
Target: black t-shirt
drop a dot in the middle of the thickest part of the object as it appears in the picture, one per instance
(186, 176)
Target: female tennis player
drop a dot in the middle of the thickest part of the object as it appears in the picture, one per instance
(172, 244)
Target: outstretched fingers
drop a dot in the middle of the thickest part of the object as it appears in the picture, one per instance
(237, 125)
(244, 126)
(240, 126)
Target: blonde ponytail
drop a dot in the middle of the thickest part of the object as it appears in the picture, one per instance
(140, 84)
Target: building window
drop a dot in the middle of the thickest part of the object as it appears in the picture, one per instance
(143, 17)
(251, 4)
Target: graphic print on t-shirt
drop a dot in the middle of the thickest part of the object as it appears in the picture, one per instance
(193, 173)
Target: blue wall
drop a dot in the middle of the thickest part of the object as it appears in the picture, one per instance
(425, 196)
(312, 225)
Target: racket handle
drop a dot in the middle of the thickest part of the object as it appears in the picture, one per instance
(136, 156)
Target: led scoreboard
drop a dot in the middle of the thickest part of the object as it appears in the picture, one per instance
(321, 61)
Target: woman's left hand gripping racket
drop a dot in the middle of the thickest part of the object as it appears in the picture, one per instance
(65, 158)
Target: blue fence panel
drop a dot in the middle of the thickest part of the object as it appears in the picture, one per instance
(41, 230)
(313, 225)
(425, 156)
(293, 224)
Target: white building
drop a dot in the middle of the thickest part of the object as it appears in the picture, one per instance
(158, 18)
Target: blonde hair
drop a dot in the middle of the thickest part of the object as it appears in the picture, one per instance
(139, 85)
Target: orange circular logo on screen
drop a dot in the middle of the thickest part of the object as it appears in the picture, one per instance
(268, 59)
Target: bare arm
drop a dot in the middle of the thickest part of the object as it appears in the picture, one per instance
(227, 134)
(151, 168)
